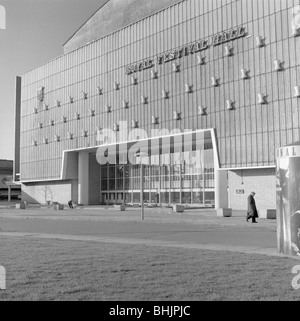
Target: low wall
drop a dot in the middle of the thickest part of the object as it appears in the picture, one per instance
(58, 191)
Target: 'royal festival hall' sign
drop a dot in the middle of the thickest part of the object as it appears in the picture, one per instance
(187, 50)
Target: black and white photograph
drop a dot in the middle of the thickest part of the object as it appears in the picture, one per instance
(150, 153)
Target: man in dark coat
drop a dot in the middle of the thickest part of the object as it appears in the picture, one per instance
(252, 211)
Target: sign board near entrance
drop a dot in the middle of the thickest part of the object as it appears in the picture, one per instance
(240, 191)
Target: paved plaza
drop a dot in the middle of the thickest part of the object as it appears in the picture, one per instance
(193, 229)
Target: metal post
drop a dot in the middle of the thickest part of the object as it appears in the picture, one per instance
(150, 182)
(192, 186)
(131, 181)
(159, 187)
(204, 187)
(170, 185)
(180, 182)
(9, 193)
(124, 178)
(142, 189)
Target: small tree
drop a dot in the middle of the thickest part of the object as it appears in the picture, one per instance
(46, 190)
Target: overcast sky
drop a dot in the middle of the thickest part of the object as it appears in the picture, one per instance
(35, 33)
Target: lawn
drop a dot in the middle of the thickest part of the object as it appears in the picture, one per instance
(72, 270)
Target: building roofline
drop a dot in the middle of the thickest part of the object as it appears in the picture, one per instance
(86, 22)
(95, 40)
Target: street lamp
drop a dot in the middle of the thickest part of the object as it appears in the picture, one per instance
(141, 155)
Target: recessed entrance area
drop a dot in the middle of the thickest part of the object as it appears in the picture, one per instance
(177, 169)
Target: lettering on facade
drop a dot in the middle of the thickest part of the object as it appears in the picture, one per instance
(149, 63)
(293, 151)
(226, 36)
(187, 50)
(184, 51)
(240, 191)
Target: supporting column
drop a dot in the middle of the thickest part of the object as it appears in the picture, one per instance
(94, 180)
(221, 193)
(83, 178)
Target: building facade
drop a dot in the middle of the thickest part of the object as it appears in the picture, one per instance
(214, 82)
(8, 190)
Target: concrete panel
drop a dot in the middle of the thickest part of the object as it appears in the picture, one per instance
(39, 193)
(261, 181)
(70, 166)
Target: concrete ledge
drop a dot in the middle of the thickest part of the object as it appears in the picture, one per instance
(59, 207)
(178, 208)
(224, 212)
(269, 214)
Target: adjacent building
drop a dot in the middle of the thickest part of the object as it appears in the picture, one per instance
(8, 189)
(203, 91)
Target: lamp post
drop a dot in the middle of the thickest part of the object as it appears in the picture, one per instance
(141, 155)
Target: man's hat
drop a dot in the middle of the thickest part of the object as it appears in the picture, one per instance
(253, 193)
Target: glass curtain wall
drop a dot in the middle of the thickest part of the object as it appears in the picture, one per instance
(176, 170)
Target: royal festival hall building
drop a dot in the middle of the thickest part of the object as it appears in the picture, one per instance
(203, 91)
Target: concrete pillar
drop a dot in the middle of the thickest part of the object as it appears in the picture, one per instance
(221, 193)
(94, 180)
(83, 178)
(288, 201)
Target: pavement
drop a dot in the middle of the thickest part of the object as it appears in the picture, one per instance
(198, 229)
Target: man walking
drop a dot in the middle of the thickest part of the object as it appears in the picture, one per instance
(252, 211)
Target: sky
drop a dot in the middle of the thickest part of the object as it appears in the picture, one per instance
(35, 33)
